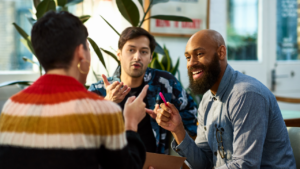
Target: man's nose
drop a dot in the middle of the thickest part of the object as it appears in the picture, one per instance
(137, 56)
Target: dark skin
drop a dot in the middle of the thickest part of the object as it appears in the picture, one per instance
(200, 49)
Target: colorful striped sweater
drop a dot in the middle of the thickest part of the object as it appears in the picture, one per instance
(57, 123)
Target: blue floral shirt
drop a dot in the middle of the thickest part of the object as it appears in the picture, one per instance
(165, 82)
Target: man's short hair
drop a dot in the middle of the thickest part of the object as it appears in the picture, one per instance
(55, 37)
(135, 32)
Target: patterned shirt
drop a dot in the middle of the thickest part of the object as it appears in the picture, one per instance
(165, 82)
(242, 123)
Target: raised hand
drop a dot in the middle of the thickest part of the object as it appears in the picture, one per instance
(135, 110)
(115, 92)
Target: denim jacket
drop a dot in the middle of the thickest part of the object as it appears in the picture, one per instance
(165, 82)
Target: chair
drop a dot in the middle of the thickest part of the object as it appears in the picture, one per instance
(291, 118)
(294, 135)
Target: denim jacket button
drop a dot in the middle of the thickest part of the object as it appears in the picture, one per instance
(205, 128)
(216, 153)
(177, 149)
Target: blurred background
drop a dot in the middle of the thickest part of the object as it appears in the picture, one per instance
(261, 37)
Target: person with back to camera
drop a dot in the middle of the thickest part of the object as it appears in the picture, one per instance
(240, 123)
(56, 122)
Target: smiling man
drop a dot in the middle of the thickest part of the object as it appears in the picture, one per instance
(136, 46)
(240, 123)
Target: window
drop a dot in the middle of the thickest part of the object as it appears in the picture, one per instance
(287, 33)
(12, 50)
(242, 26)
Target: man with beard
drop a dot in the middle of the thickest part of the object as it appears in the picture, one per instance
(240, 123)
(136, 46)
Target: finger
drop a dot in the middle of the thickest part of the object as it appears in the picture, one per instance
(117, 88)
(126, 91)
(123, 89)
(161, 123)
(106, 83)
(161, 112)
(130, 99)
(143, 93)
(151, 113)
(151, 167)
(156, 108)
(165, 108)
(173, 108)
(114, 85)
(164, 118)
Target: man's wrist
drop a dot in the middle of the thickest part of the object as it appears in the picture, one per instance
(179, 134)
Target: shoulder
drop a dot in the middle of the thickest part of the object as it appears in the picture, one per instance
(100, 84)
(158, 75)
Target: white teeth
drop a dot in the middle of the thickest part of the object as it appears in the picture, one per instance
(197, 72)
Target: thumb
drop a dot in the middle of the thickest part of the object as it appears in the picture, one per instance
(106, 83)
(173, 108)
(130, 99)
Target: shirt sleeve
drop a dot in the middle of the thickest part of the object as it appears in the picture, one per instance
(186, 107)
(249, 116)
(119, 148)
(98, 91)
(198, 152)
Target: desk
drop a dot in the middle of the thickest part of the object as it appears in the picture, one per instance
(291, 118)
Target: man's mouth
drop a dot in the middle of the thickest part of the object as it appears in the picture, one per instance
(136, 65)
(197, 74)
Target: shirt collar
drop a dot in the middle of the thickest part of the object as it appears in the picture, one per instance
(225, 82)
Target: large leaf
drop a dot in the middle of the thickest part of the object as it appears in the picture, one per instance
(155, 55)
(165, 61)
(172, 18)
(21, 31)
(175, 68)
(73, 2)
(110, 25)
(129, 11)
(84, 18)
(156, 65)
(45, 6)
(159, 49)
(158, 1)
(62, 3)
(97, 51)
(111, 54)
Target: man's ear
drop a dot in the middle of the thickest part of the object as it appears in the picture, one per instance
(119, 54)
(222, 52)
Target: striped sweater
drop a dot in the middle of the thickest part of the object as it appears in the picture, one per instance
(57, 123)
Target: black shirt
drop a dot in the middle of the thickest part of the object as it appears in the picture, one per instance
(144, 127)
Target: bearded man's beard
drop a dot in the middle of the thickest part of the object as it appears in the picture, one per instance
(210, 76)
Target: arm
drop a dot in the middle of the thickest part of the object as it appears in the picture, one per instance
(249, 116)
(133, 154)
(199, 154)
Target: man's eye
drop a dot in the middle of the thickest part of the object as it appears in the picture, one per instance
(144, 52)
(199, 54)
(131, 50)
(188, 58)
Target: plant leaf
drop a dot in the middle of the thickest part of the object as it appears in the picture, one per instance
(29, 60)
(171, 18)
(175, 68)
(21, 31)
(96, 76)
(97, 51)
(31, 11)
(110, 25)
(155, 55)
(44, 6)
(73, 2)
(84, 18)
(31, 20)
(158, 1)
(129, 11)
(165, 61)
(141, 2)
(62, 3)
(111, 54)
(159, 49)
(27, 44)
(156, 65)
